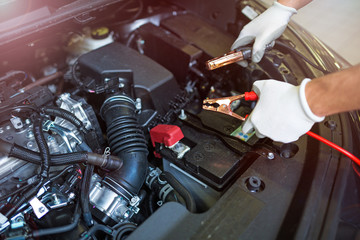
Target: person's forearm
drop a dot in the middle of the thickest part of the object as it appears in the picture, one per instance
(297, 4)
(334, 93)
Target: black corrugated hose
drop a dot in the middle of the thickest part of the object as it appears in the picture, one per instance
(42, 145)
(44, 163)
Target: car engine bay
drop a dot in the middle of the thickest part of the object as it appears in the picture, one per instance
(103, 135)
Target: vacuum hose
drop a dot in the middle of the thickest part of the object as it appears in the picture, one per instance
(127, 141)
(106, 162)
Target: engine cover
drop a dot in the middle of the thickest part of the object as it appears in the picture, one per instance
(153, 83)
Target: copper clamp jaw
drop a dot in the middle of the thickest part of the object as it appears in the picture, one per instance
(222, 105)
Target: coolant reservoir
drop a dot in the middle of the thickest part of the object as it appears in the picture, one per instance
(88, 40)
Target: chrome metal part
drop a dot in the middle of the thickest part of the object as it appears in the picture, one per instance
(180, 149)
(38, 207)
(3, 219)
(270, 156)
(66, 102)
(223, 105)
(66, 134)
(56, 200)
(111, 203)
(18, 221)
(182, 115)
(17, 123)
(154, 176)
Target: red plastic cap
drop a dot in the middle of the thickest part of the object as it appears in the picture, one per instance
(166, 134)
(251, 96)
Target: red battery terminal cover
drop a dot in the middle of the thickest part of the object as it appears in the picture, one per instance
(165, 135)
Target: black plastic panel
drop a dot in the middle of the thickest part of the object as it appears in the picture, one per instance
(152, 81)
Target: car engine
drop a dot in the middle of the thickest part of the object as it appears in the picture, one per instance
(102, 122)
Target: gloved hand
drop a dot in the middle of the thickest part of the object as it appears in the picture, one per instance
(265, 28)
(282, 112)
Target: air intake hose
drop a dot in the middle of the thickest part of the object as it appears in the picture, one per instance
(127, 141)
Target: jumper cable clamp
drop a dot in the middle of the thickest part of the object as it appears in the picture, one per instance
(223, 105)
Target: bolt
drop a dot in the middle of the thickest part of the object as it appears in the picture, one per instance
(19, 219)
(27, 121)
(30, 144)
(286, 154)
(30, 134)
(138, 104)
(8, 127)
(42, 209)
(270, 156)
(126, 214)
(140, 41)
(71, 196)
(121, 85)
(182, 115)
(254, 184)
(56, 199)
(331, 124)
(1, 130)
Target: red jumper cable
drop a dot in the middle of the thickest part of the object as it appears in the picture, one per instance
(223, 105)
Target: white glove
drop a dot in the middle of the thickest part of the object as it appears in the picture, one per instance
(282, 112)
(265, 28)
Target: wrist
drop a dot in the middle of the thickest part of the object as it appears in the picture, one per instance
(291, 10)
(306, 101)
(296, 4)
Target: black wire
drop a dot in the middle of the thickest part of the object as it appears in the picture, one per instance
(84, 195)
(25, 197)
(151, 202)
(15, 192)
(77, 79)
(65, 170)
(137, 14)
(23, 108)
(296, 52)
